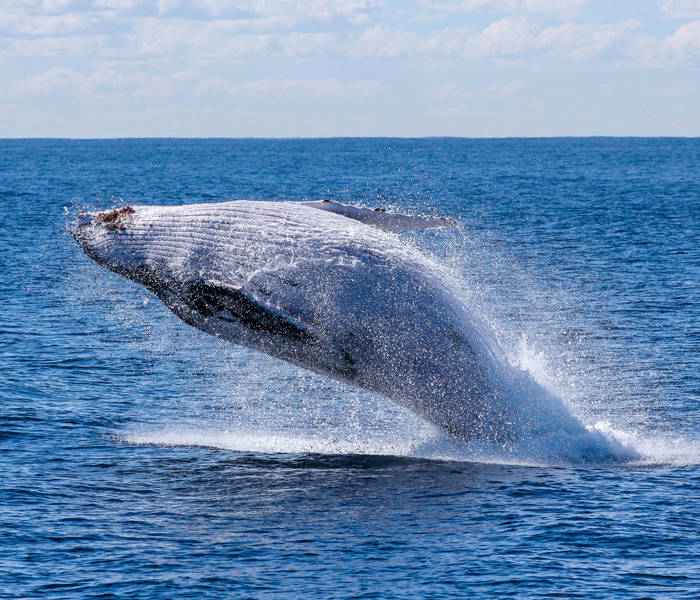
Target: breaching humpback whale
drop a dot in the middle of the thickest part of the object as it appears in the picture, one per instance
(324, 286)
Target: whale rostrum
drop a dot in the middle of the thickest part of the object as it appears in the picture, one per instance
(321, 285)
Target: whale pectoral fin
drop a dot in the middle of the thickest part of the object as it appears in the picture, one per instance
(382, 219)
(235, 304)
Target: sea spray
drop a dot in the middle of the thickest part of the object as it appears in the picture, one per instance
(545, 427)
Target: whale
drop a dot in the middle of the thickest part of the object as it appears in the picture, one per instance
(328, 287)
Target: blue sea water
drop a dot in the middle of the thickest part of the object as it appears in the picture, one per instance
(140, 458)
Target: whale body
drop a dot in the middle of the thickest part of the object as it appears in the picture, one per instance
(328, 290)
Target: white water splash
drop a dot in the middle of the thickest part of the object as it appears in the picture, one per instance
(427, 442)
(635, 451)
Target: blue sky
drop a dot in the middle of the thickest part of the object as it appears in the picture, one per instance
(271, 68)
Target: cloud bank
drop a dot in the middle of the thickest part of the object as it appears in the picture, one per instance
(369, 62)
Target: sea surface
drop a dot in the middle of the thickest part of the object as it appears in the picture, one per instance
(141, 458)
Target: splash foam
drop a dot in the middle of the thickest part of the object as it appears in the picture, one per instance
(594, 448)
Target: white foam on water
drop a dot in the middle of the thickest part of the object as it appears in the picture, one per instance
(269, 442)
(667, 450)
(633, 451)
(596, 446)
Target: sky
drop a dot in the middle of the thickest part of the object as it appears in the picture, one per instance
(321, 68)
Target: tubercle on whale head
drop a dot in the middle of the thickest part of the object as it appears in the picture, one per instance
(115, 218)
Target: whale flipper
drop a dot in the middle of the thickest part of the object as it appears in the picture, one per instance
(235, 304)
(276, 332)
(382, 219)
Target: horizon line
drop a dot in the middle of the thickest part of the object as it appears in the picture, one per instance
(350, 137)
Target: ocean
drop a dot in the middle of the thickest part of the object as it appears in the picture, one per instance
(141, 458)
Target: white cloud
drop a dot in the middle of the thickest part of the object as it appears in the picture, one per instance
(54, 47)
(289, 88)
(682, 47)
(381, 42)
(508, 89)
(684, 44)
(47, 81)
(452, 91)
(681, 9)
(281, 31)
(307, 44)
(512, 36)
(220, 30)
(506, 6)
(322, 13)
(109, 81)
(177, 40)
(517, 37)
(12, 23)
(195, 30)
(120, 6)
(582, 42)
(448, 42)
(220, 40)
(445, 92)
(355, 12)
